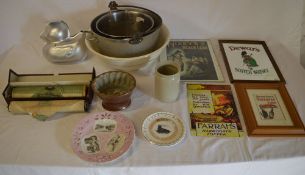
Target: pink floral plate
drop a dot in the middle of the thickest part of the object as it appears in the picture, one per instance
(102, 137)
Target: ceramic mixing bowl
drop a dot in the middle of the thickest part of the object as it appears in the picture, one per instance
(115, 89)
(132, 63)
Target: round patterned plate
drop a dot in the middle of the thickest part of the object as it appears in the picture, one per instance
(102, 137)
(163, 128)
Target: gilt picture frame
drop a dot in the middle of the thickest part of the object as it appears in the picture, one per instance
(249, 61)
(268, 110)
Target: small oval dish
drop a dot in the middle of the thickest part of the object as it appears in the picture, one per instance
(163, 129)
(115, 89)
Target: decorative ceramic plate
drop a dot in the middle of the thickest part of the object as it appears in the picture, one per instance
(102, 137)
(163, 128)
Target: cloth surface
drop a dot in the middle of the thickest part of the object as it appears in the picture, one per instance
(32, 147)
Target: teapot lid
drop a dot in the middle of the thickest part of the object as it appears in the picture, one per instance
(56, 31)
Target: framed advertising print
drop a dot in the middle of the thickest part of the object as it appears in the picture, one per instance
(268, 110)
(251, 61)
(196, 58)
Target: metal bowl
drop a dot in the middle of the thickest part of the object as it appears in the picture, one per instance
(123, 24)
(126, 31)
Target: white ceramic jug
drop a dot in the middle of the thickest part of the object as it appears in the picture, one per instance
(167, 81)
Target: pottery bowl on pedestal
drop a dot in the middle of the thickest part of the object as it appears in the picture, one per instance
(115, 89)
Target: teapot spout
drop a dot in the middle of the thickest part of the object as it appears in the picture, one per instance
(43, 37)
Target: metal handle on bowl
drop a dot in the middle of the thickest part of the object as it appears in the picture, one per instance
(113, 5)
(136, 39)
(92, 35)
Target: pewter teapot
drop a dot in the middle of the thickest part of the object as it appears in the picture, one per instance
(60, 46)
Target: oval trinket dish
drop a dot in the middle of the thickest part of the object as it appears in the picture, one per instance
(163, 129)
(103, 137)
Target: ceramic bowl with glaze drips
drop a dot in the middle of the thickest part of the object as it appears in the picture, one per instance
(115, 89)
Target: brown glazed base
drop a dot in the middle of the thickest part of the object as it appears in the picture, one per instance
(116, 106)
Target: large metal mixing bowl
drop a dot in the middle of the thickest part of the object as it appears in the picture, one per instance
(126, 31)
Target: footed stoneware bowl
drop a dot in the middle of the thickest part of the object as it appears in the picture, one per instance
(115, 89)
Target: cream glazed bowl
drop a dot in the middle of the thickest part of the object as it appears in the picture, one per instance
(132, 63)
(115, 89)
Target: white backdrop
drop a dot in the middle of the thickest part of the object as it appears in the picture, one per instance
(278, 22)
